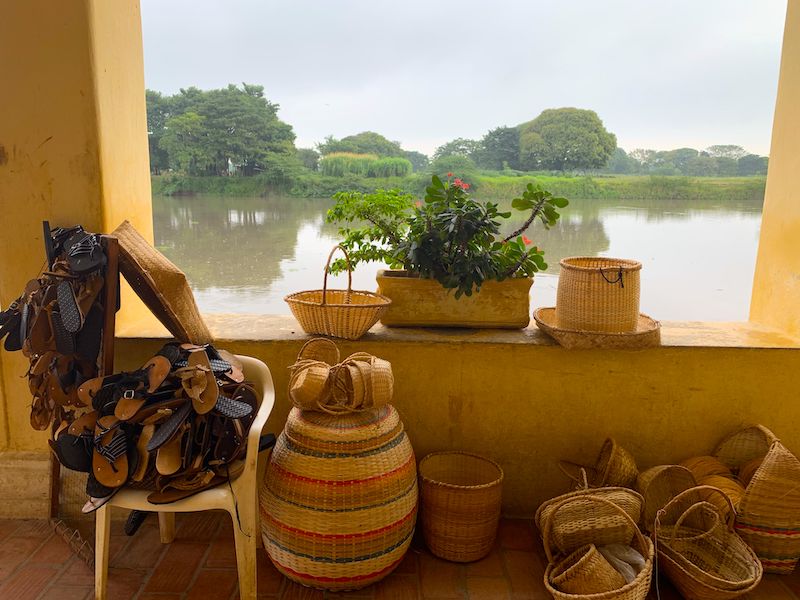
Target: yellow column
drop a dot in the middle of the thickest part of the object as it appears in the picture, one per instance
(73, 147)
(776, 288)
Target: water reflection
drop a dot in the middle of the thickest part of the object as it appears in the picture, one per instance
(245, 254)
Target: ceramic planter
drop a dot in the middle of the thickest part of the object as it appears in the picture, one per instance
(425, 303)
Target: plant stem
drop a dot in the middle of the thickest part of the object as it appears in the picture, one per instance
(534, 213)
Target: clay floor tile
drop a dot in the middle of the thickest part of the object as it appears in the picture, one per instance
(68, 593)
(295, 591)
(55, 551)
(28, 582)
(516, 534)
(525, 574)
(124, 584)
(269, 578)
(770, 588)
(489, 566)
(409, 565)
(199, 527)
(397, 587)
(440, 578)
(142, 551)
(176, 569)
(488, 588)
(213, 585)
(14, 552)
(221, 554)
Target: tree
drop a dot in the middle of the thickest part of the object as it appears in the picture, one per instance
(186, 143)
(564, 139)
(726, 151)
(309, 158)
(158, 111)
(621, 164)
(462, 167)
(499, 149)
(418, 160)
(751, 164)
(458, 147)
(366, 142)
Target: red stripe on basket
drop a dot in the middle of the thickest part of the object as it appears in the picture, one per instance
(307, 577)
(757, 529)
(333, 483)
(384, 416)
(341, 536)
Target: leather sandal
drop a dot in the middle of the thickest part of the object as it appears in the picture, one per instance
(179, 488)
(199, 382)
(110, 456)
(71, 315)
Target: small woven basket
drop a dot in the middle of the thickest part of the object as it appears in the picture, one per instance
(614, 466)
(598, 294)
(768, 516)
(636, 589)
(586, 571)
(460, 495)
(345, 314)
(658, 485)
(705, 560)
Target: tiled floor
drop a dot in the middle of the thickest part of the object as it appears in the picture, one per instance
(37, 564)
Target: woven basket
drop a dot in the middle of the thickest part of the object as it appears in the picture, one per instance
(658, 485)
(636, 589)
(768, 516)
(339, 313)
(339, 500)
(705, 561)
(598, 294)
(614, 466)
(460, 498)
(583, 521)
(586, 571)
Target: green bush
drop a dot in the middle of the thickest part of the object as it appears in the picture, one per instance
(389, 167)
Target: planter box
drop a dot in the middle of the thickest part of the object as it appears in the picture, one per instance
(425, 303)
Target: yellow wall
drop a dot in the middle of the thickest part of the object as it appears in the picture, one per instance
(73, 146)
(776, 289)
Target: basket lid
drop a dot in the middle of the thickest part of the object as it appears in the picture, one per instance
(343, 433)
(646, 335)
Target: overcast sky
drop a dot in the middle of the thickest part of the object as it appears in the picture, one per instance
(660, 74)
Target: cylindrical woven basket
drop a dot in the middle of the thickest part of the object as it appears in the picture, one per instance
(460, 496)
(584, 521)
(598, 294)
(768, 516)
(339, 313)
(704, 562)
(586, 571)
(636, 589)
(339, 499)
(658, 485)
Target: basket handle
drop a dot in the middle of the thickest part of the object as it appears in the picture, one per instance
(548, 523)
(349, 275)
(582, 479)
(663, 511)
(613, 281)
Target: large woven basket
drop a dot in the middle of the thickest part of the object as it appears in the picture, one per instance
(339, 313)
(339, 500)
(460, 500)
(636, 589)
(598, 294)
(658, 485)
(704, 559)
(768, 516)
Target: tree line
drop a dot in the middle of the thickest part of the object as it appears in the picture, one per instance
(236, 131)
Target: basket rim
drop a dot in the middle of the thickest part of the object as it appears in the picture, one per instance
(626, 264)
(454, 486)
(541, 314)
(294, 298)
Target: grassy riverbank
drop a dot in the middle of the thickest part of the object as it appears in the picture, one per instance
(487, 186)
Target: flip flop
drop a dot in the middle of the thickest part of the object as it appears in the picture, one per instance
(167, 429)
(88, 291)
(232, 409)
(183, 487)
(41, 413)
(169, 458)
(84, 423)
(141, 449)
(84, 253)
(71, 315)
(110, 456)
(89, 338)
(65, 342)
(201, 386)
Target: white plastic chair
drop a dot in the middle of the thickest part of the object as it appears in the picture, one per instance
(241, 492)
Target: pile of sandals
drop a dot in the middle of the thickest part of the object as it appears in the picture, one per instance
(175, 426)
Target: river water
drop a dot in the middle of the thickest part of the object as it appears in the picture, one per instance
(243, 255)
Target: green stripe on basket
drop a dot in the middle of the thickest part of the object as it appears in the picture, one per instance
(306, 452)
(343, 559)
(405, 493)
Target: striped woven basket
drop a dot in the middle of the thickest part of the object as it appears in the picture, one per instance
(768, 515)
(339, 500)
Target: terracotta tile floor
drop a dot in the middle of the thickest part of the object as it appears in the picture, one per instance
(36, 564)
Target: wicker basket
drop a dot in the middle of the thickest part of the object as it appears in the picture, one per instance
(460, 498)
(659, 485)
(339, 499)
(614, 466)
(636, 589)
(339, 313)
(768, 516)
(586, 571)
(598, 294)
(584, 521)
(706, 560)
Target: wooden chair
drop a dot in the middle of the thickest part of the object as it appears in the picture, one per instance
(241, 492)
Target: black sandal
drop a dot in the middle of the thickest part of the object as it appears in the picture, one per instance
(84, 252)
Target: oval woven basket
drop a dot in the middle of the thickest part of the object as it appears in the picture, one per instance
(658, 485)
(339, 499)
(346, 313)
(768, 516)
(460, 497)
(596, 293)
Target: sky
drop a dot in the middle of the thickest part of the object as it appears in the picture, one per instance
(660, 75)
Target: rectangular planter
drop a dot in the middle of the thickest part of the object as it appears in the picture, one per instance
(425, 303)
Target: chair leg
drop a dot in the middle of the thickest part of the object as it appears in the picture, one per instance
(166, 527)
(102, 537)
(245, 539)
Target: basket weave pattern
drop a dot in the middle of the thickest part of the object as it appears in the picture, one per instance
(339, 313)
(339, 500)
(598, 294)
(460, 500)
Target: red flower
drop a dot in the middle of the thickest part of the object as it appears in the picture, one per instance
(526, 240)
(449, 174)
(465, 186)
(417, 203)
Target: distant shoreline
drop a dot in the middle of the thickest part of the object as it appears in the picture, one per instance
(489, 186)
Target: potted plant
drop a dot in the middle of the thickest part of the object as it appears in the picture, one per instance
(450, 265)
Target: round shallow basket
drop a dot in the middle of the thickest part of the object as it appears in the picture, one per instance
(658, 485)
(646, 334)
(339, 499)
(635, 590)
(596, 293)
(706, 560)
(339, 313)
(460, 496)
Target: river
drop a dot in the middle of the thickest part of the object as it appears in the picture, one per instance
(243, 255)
